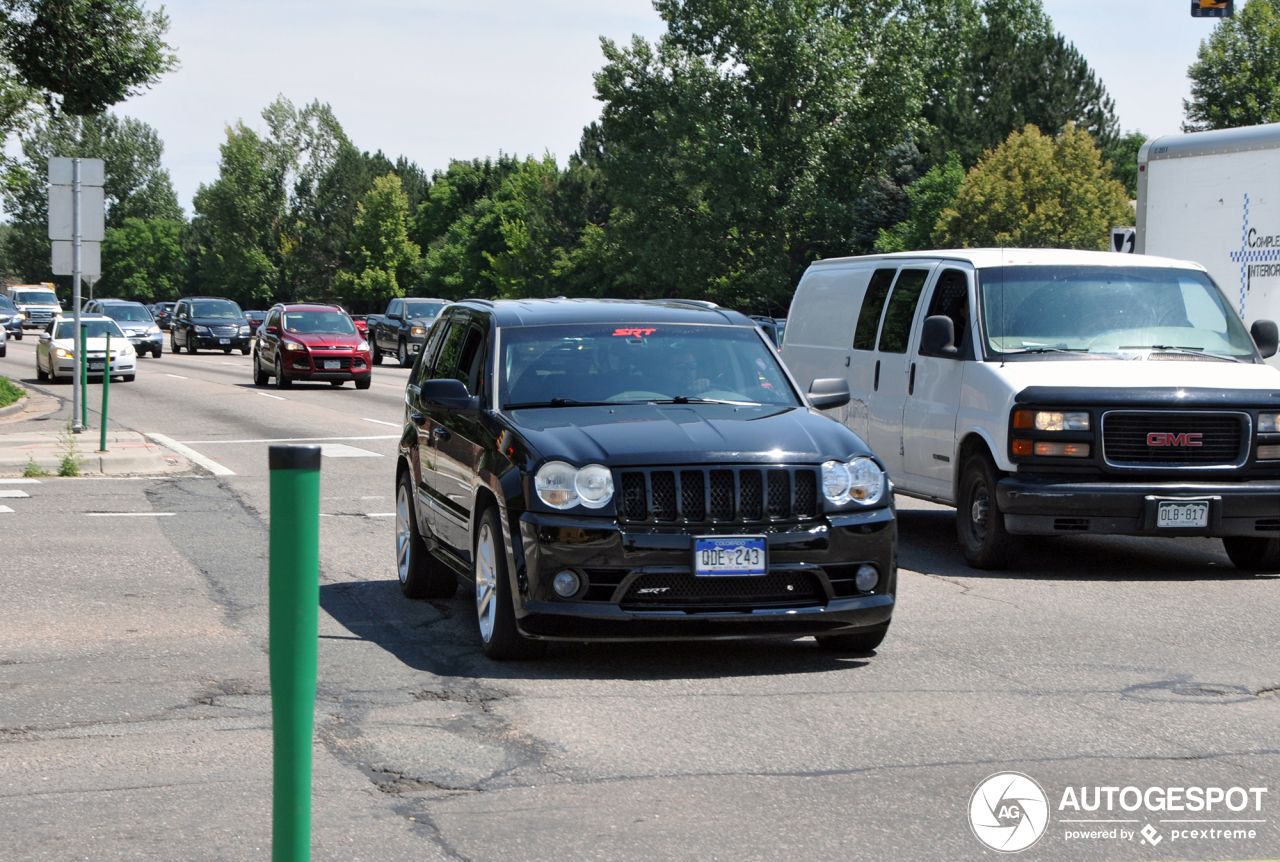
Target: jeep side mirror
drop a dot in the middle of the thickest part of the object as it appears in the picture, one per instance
(826, 393)
(1266, 336)
(447, 392)
(938, 338)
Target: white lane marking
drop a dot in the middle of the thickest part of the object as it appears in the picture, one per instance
(176, 376)
(5, 510)
(128, 514)
(13, 494)
(292, 440)
(191, 454)
(340, 450)
(19, 481)
(381, 515)
(265, 395)
(380, 422)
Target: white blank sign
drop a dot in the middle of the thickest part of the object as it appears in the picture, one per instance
(90, 258)
(61, 172)
(61, 216)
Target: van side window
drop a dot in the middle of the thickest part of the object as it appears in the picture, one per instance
(864, 336)
(825, 307)
(896, 330)
(951, 298)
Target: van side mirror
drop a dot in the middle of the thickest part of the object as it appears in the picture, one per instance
(826, 393)
(938, 338)
(1266, 336)
(447, 392)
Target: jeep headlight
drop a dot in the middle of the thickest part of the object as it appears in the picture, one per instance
(860, 480)
(563, 486)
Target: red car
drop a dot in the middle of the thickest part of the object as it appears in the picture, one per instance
(303, 341)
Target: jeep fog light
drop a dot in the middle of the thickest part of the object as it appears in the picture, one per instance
(566, 584)
(555, 485)
(866, 579)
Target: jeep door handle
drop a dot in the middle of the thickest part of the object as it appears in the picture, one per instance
(441, 433)
(417, 419)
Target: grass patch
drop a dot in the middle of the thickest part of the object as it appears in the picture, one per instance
(33, 470)
(9, 393)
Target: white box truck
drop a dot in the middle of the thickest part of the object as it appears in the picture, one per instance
(1214, 198)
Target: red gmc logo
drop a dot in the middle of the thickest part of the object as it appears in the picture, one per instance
(1160, 438)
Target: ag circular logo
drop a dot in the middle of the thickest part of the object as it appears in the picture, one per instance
(1008, 812)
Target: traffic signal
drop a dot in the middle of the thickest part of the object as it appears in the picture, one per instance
(1212, 8)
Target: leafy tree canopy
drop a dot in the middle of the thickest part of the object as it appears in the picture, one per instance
(85, 55)
(383, 251)
(1034, 191)
(1235, 80)
(143, 259)
(928, 197)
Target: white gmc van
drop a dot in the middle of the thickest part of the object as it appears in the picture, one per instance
(1043, 392)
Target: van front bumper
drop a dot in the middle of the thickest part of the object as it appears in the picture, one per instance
(615, 562)
(1055, 505)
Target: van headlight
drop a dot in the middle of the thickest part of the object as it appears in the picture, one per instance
(860, 480)
(1268, 423)
(563, 486)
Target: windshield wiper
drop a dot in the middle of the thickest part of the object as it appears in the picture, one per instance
(1190, 351)
(685, 399)
(560, 402)
(1048, 350)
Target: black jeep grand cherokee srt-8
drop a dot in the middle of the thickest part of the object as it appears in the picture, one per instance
(604, 470)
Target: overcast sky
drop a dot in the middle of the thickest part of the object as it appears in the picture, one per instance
(439, 79)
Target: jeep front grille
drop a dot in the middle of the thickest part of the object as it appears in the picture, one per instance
(747, 495)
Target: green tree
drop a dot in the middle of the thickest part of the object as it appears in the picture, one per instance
(143, 259)
(1123, 156)
(384, 254)
(1235, 80)
(136, 184)
(1011, 69)
(236, 229)
(85, 55)
(928, 197)
(1034, 191)
(735, 149)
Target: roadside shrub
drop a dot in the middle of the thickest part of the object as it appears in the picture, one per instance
(9, 393)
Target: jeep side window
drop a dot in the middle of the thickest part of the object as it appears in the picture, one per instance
(864, 334)
(951, 298)
(896, 330)
(450, 350)
(471, 361)
(430, 348)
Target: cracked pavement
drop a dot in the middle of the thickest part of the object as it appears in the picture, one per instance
(135, 705)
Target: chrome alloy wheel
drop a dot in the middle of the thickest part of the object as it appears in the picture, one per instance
(486, 582)
(404, 533)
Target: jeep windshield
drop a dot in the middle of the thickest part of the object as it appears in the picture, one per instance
(636, 363)
(1117, 311)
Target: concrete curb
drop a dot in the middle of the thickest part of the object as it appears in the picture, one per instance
(14, 409)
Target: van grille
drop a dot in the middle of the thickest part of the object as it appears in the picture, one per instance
(746, 495)
(1125, 438)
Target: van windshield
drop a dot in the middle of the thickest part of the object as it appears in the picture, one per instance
(567, 365)
(1064, 310)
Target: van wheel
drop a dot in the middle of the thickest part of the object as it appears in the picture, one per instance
(1253, 554)
(854, 643)
(979, 523)
(422, 576)
(495, 610)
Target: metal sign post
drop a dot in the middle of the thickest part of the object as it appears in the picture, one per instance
(75, 222)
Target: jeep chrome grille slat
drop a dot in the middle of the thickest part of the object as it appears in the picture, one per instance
(743, 495)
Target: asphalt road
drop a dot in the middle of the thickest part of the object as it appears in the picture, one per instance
(135, 710)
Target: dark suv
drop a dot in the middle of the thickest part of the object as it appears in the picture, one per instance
(606, 470)
(208, 323)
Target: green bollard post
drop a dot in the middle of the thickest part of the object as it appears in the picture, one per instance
(294, 595)
(83, 381)
(106, 387)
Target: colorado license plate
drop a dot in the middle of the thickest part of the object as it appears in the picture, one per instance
(224, 340)
(95, 366)
(1191, 513)
(332, 364)
(728, 555)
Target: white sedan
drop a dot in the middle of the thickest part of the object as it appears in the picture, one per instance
(56, 352)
